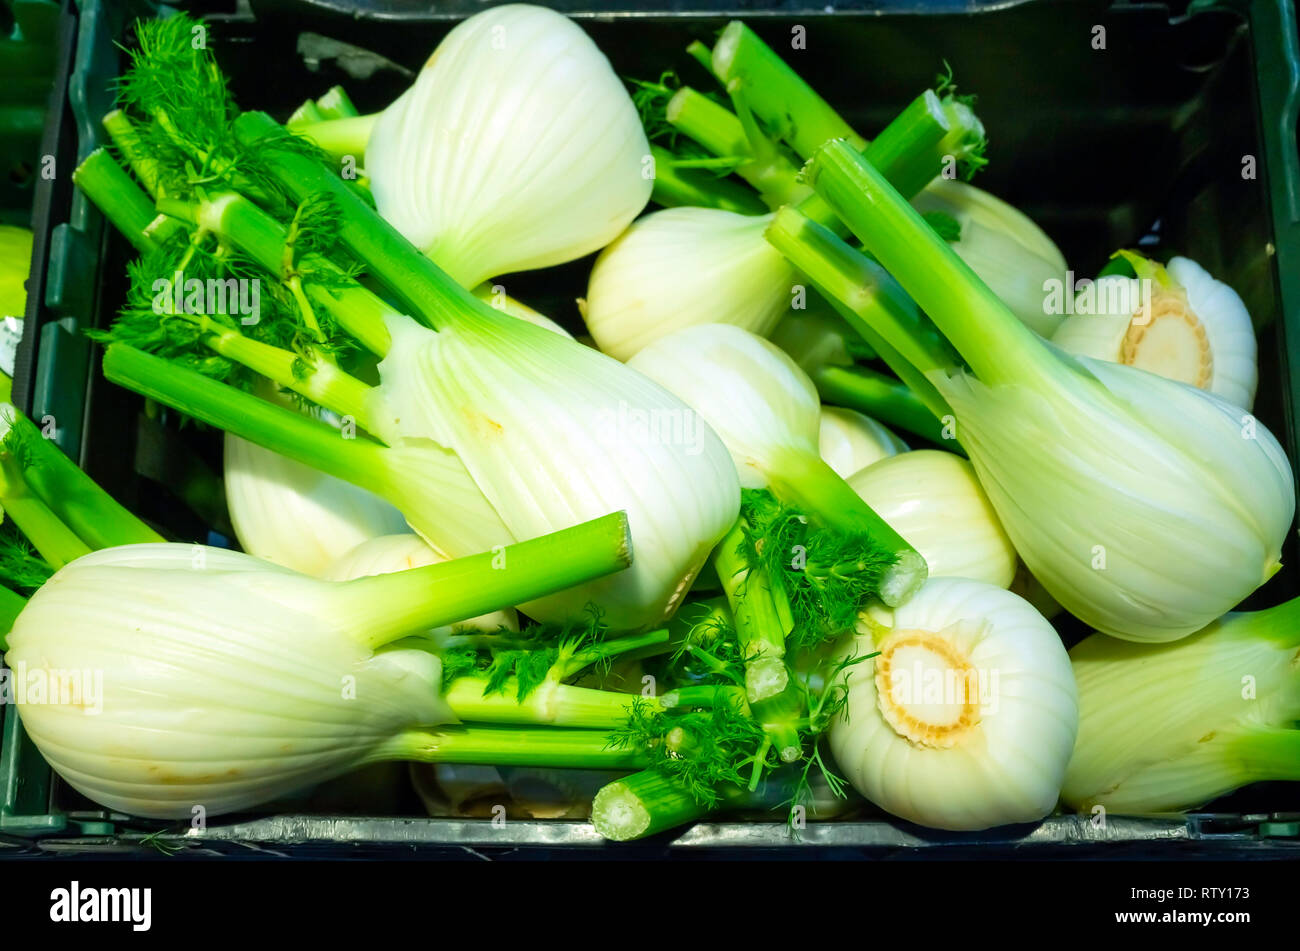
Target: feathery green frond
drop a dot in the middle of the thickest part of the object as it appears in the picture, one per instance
(825, 574)
(21, 569)
(701, 749)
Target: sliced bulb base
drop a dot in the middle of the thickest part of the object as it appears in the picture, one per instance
(1170, 340)
(927, 689)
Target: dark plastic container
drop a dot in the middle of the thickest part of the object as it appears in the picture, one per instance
(1109, 123)
(37, 43)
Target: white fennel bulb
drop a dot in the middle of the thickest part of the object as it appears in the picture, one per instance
(933, 499)
(155, 678)
(554, 433)
(223, 680)
(1146, 507)
(768, 415)
(966, 718)
(494, 431)
(389, 553)
(684, 266)
(1010, 253)
(1114, 448)
(752, 394)
(850, 441)
(1165, 727)
(296, 515)
(516, 148)
(1177, 321)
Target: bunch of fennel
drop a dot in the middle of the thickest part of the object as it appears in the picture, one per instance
(1072, 452)
(807, 553)
(456, 475)
(330, 676)
(356, 660)
(484, 431)
(280, 509)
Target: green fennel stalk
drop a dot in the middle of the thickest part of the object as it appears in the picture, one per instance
(881, 397)
(426, 291)
(504, 746)
(73, 497)
(996, 345)
(56, 543)
(870, 301)
(775, 92)
(679, 185)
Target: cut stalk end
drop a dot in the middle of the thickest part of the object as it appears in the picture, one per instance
(765, 677)
(908, 663)
(642, 804)
(903, 579)
(618, 814)
(724, 51)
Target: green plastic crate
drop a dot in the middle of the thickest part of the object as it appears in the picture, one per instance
(36, 42)
(1094, 153)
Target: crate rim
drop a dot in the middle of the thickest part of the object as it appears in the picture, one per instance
(1069, 832)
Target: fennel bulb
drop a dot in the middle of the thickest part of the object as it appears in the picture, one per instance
(158, 678)
(933, 499)
(850, 441)
(388, 553)
(224, 688)
(1177, 321)
(1165, 727)
(753, 396)
(1114, 448)
(550, 430)
(683, 266)
(295, 515)
(966, 718)
(1109, 480)
(516, 148)
(15, 262)
(1009, 252)
(766, 411)
(492, 429)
